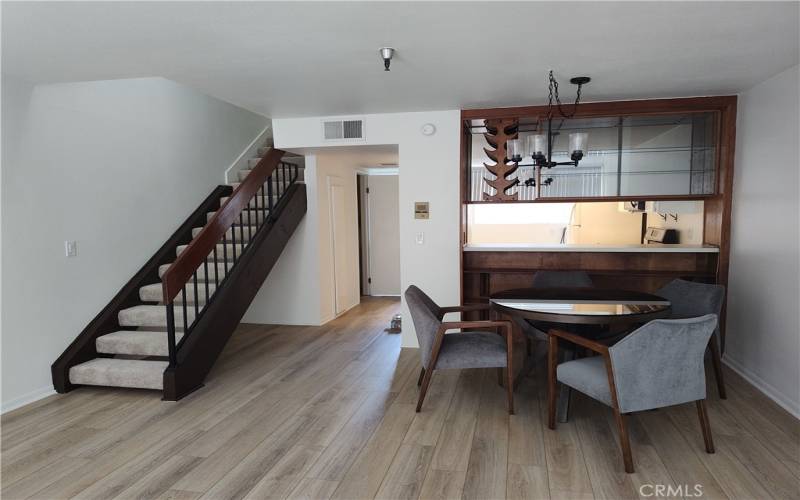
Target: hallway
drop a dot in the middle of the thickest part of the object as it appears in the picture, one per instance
(319, 412)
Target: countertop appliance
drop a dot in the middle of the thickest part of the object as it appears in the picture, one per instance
(660, 235)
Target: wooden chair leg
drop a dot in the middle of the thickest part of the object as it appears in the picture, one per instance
(552, 354)
(500, 377)
(565, 391)
(426, 380)
(717, 363)
(421, 374)
(624, 442)
(702, 413)
(510, 372)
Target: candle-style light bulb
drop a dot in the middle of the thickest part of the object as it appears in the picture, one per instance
(514, 150)
(537, 146)
(577, 145)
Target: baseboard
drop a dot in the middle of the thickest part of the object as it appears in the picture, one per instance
(326, 319)
(249, 152)
(792, 407)
(331, 317)
(279, 323)
(28, 398)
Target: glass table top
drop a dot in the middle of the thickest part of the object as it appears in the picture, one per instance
(585, 307)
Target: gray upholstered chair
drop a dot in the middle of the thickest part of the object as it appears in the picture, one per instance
(690, 299)
(467, 349)
(561, 279)
(658, 365)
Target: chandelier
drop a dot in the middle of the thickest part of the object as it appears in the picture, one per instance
(539, 147)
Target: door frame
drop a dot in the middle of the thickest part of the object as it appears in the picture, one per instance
(364, 233)
(333, 181)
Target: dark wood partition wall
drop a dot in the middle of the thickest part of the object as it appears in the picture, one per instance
(717, 216)
(484, 273)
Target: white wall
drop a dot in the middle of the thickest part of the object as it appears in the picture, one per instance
(384, 234)
(429, 171)
(116, 165)
(291, 294)
(763, 341)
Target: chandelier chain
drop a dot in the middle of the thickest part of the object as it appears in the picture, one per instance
(553, 87)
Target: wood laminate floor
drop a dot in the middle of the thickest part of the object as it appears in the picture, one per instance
(328, 412)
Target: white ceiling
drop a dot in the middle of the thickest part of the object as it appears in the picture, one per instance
(294, 59)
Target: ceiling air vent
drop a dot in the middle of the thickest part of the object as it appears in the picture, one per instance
(338, 130)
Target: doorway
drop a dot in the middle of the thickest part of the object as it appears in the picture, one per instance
(379, 232)
(335, 176)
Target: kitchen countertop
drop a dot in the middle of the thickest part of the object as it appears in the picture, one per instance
(555, 247)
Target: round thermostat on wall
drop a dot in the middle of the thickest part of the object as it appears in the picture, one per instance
(428, 129)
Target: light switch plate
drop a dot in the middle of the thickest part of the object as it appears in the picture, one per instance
(71, 248)
(420, 238)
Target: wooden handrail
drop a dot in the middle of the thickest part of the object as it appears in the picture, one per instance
(201, 246)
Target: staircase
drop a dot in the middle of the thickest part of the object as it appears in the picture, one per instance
(166, 327)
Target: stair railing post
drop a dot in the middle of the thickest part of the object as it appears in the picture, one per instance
(173, 359)
(269, 196)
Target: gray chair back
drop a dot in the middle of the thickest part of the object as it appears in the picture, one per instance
(561, 279)
(690, 299)
(661, 363)
(427, 317)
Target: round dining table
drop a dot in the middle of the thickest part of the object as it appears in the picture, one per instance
(586, 311)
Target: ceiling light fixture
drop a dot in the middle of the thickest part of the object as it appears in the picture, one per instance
(540, 146)
(386, 54)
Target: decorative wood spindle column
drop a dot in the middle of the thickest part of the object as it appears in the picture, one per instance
(498, 132)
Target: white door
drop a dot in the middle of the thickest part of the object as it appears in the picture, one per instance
(384, 234)
(339, 243)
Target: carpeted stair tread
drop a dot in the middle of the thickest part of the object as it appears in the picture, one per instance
(134, 373)
(248, 217)
(276, 178)
(135, 342)
(222, 249)
(201, 271)
(253, 205)
(147, 315)
(247, 230)
(155, 293)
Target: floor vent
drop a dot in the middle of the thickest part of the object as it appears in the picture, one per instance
(337, 130)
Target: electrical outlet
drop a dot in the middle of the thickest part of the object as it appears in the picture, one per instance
(420, 238)
(71, 248)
